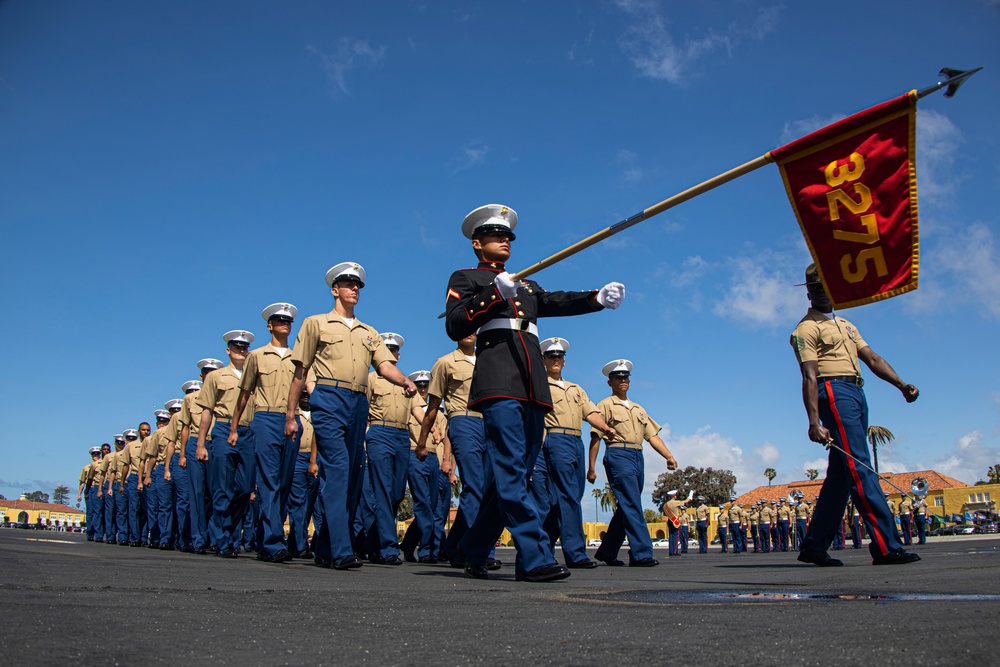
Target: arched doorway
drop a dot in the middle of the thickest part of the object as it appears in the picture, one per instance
(22, 517)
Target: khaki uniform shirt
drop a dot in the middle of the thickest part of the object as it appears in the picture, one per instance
(765, 515)
(440, 423)
(268, 377)
(85, 474)
(631, 422)
(306, 441)
(388, 403)
(905, 506)
(219, 394)
(723, 518)
(801, 511)
(338, 352)
(676, 507)
(101, 475)
(131, 456)
(834, 344)
(892, 506)
(783, 512)
(191, 416)
(570, 405)
(735, 514)
(118, 464)
(753, 516)
(920, 508)
(701, 512)
(451, 377)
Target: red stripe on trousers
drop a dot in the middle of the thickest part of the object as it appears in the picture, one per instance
(876, 531)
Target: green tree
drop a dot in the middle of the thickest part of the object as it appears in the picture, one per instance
(60, 495)
(405, 510)
(812, 473)
(715, 484)
(770, 473)
(652, 516)
(37, 497)
(993, 474)
(878, 435)
(607, 497)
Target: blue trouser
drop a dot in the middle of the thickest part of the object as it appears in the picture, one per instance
(121, 514)
(89, 505)
(723, 541)
(800, 531)
(180, 479)
(783, 534)
(441, 509)
(904, 528)
(856, 531)
(135, 508)
(339, 417)
(301, 499)
(231, 471)
(674, 537)
(514, 432)
(702, 528)
(684, 537)
(95, 512)
(110, 513)
(844, 411)
(739, 537)
(276, 454)
(468, 443)
(388, 461)
(250, 531)
(921, 529)
(163, 490)
(765, 537)
(423, 478)
(364, 529)
(566, 470)
(839, 540)
(755, 535)
(625, 471)
(153, 509)
(197, 484)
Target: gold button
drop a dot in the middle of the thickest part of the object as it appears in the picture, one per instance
(517, 303)
(493, 298)
(482, 303)
(521, 313)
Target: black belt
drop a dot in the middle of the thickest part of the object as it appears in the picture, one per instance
(850, 379)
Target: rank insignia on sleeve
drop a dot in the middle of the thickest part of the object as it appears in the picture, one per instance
(452, 294)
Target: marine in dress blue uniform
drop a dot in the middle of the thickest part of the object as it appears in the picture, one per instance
(509, 385)
(828, 348)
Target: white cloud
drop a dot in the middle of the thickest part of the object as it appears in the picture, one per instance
(348, 54)
(655, 53)
(761, 295)
(969, 459)
(471, 155)
(768, 453)
(631, 172)
(795, 129)
(938, 140)
(971, 256)
(816, 464)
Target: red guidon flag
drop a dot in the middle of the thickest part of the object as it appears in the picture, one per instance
(853, 186)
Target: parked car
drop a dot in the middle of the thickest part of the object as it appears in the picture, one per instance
(957, 529)
(988, 527)
(662, 542)
(594, 543)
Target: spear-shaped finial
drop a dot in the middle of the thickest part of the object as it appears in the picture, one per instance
(953, 78)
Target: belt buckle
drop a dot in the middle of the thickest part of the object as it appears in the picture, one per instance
(523, 325)
(860, 381)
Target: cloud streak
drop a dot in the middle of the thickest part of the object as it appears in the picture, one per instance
(348, 55)
(656, 54)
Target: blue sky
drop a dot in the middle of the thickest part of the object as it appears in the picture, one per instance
(169, 169)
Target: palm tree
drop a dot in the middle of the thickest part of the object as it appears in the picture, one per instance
(607, 497)
(993, 474)
(770, 473)
(878, 435)
(812, 473)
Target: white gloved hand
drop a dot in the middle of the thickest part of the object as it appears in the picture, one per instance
(504, 285)
(611, 295)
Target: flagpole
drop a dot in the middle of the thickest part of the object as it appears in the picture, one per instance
(954, 79)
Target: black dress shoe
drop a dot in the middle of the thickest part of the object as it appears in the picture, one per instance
(166, 547)
(613, 562)
(228, 553)
(201, 552)
(428, 560)
(552, 572)
(897, 557)
(477, 571)
(644, 562)
(322, 562)
(820, 558)
(281, 556)
(585, 564)
(307, 555)
(392, 560)
(346, 563)
(263, 557)
(409, 556)
(493, 563)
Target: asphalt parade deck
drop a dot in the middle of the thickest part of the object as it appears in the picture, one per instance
(68, 601)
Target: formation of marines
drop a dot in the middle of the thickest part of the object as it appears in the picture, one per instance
(329, 432)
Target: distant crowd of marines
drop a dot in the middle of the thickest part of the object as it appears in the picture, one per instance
(331, 432)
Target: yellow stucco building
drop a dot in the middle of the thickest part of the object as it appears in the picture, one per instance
(48, 514)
